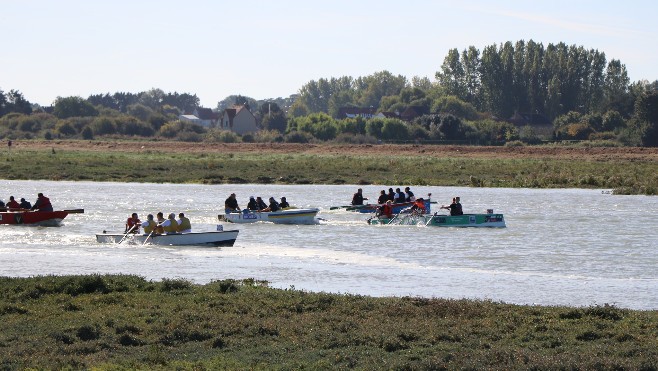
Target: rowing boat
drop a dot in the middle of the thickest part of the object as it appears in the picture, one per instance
(38, 218)
(288, 216)
(219, 238)
(436, 220)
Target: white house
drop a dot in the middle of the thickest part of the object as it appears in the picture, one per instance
(239, 120)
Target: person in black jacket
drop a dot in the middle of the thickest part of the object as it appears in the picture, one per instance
(358, 198)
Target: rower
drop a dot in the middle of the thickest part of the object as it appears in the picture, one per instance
(358, 198)
(184, 225)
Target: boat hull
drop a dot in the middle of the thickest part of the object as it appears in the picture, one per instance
(220, 238)
(293, 216)
(397, 208)
(39, 218)
(466, 220)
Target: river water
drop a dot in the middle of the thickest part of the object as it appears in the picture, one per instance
(561, 246)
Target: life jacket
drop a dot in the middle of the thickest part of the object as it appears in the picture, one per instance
(184, 224)
(159, 229)
(420, 205)
(149, 226)
(387, 210)
(172, 227)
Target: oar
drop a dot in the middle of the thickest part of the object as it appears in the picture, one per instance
(75, 211)
(147, 237)
(339, 207)
(127, 233)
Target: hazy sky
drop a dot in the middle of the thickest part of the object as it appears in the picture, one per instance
(269, 49)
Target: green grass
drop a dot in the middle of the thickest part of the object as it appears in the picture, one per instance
(125, 322)
(625, 177)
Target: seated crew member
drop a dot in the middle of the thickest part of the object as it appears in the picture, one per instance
(261, 204)
(274, 206)
(419, 206)
(184, 224)
(42, 203)
(284, 203)
(391, 194)
(159, 219)
(13, 204)
(252, 205)
(132, 224)
(453, 207)
(386, 210)
(398, 196)
(170, 225)
(358, 198)
(231, 204)
(383, 197)
(25, 204)
(409, 196)
(459, 206)
(149, 225)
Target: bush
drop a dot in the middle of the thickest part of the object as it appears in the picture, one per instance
(297, 137)
(221, 136)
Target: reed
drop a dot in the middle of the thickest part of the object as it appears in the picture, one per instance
(125, 322)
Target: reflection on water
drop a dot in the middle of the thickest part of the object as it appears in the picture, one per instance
(561, 247)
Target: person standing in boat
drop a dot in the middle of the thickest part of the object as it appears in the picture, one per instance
(383, 197)
(358, 198)
(25, 204)
(149, 225)
(184, 224)
(42, 203)
(231, 204)
(132, 224)
(284, 203)
(12, 204)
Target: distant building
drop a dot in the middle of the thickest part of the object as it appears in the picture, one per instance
(201, 116)
(350, 112)
(239, 120)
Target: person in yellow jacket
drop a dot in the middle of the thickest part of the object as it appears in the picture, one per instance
(149, 225)
(170, 225)
(184, 225)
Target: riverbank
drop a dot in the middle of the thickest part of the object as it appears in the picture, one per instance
(126, 322)
(622, 169)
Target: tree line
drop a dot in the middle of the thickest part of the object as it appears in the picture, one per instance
(473, 98)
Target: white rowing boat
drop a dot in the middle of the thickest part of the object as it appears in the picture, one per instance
(219, 238)
(288, 216)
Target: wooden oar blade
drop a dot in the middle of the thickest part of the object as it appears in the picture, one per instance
(75, 211)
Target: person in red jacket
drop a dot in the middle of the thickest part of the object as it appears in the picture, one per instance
(13, 204)
(42, 203)
(132, 224)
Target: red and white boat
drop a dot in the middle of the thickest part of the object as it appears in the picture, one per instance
(40, 218)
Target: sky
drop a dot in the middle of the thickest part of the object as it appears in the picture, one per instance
(269, 49)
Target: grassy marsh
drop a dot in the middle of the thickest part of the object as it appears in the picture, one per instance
(125, 322)
(624, 176)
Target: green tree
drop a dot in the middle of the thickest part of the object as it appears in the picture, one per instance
(73, 107)
(646, 112)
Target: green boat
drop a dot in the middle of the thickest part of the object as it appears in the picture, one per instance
(436, 220)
